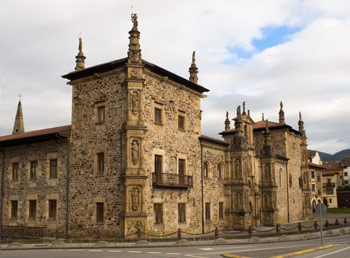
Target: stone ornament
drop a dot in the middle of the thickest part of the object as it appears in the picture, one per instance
(135, 152)
(238, 168)
(135, 197)
(135, 99)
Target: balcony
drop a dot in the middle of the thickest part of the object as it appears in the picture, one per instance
(166, 180)
(328, 185)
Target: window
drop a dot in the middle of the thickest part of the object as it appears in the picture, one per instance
(182, 167)
(345, 173)
(319, 191)
(33, 169)
(52, 209)
(290, 180)
(100, 163)
(329, 191)
(15, 171)
(32, 209)
(181, 122)
(158, 116)
(312, 174)
(53, 168)
(219, 171)
(313, 187)
(158, 161)
(99, 212)
(205, 169)
(330, 200)
(14, 209)
(221, 210)
(318, 178)
(182, 212)
(101, 114)
(207, 211)
(158, 213)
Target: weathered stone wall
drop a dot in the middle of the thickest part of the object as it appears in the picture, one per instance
(42, 189)
(89, 137)
(172, 143)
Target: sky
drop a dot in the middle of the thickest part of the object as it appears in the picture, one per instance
(258, 51)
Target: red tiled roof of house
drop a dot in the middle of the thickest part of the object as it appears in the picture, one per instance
(346, 162)
(316, 165)
(311, 153)
(41, 132)
(211, 139)
(333, 165)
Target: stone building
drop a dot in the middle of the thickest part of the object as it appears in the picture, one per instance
(134, 158)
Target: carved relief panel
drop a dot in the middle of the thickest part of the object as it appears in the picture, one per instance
(135, 199)
(135, 152)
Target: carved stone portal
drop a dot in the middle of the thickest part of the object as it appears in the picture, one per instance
(135, 152)
(135, 197)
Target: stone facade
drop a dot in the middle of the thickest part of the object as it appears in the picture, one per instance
(135, 159)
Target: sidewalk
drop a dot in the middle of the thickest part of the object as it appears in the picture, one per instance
(67, 244)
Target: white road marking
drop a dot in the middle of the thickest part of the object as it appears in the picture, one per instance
(135, 252)
(75, 250)
(195, 256)
(333, 252)
(206, 249)
(95, 250)
(173, 253)
(114, 251)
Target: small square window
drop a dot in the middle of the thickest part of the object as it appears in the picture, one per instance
(53, 168)
(181, 122)
(15, 171)
(99, 212)
(33, 169)
(101, 114)
(182, 212)
(158, 213)
(32, 209)
(157, 116)
(100, 163)
(14, 209)
(52, 209)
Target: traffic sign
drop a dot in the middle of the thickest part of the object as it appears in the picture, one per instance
(321, 209)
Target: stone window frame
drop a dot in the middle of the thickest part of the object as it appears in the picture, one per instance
(100, 212)
(159, 107)
(33, 175)
(97, 155)
(53, 174)
(98, 106)
(181, 212)
(181, 156)
(313, 187)
(220, 170)
(158, 213)
(32, 209)
(52, 209)
(207, 211)
(181, 126)
(100, 163)
(312, 174)
(205, 172)
(221, 211)
(14, 212)
(15, 174)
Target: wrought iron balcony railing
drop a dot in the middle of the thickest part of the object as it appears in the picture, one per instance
(167, 180)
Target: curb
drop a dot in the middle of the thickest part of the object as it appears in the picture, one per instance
(303, 251)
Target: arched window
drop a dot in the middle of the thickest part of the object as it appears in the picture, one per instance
(219, 171)
(205, 169)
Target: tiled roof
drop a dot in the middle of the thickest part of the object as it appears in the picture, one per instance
(36, 133)
(316, 165)
(213, 140)
(333, 165)
(311, 154)
(346, 162)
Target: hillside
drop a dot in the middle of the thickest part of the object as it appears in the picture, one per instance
(337, 156)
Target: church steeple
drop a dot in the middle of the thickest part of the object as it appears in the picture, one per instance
(227, 122)
(301, 124)
(80, 58)
(281, 114)
(19, 125)
(193, 69)
(134, 53)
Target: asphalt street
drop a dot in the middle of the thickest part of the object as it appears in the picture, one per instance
(341, 249)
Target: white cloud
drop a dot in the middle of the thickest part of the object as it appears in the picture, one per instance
(309, 72)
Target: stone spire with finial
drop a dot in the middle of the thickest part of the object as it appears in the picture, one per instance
(193, 69)
(262, 117)
(267, 149)
(243, 113)
(301, 124)
(80, 58)
(19, 124)
(281, 114)
(227, 122)
(134, 53)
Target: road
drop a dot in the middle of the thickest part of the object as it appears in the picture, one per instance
(341, 249)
